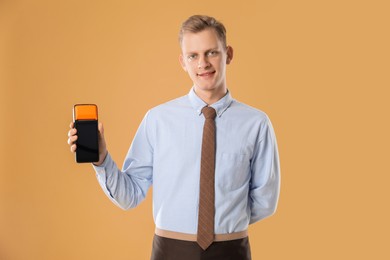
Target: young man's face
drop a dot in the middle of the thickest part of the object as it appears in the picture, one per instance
(204, 58)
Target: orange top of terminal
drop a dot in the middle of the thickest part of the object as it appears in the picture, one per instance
(85, 112)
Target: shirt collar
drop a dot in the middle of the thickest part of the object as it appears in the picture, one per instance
(220, 106)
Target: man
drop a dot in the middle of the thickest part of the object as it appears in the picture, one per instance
(212, 160)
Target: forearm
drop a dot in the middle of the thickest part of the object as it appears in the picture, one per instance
(264, 200)
(123, 188)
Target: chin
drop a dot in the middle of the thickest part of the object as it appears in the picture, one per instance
(205, 87)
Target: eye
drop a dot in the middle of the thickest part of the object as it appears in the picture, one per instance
(191, 57)
(212, 53)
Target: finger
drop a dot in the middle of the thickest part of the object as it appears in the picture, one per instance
(101, 128)
(73, 148)
(72, 139)
(72, 132)
(71, 125)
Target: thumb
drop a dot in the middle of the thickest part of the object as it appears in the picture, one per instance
(101, 129)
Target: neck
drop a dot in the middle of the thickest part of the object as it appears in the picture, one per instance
(210, 96)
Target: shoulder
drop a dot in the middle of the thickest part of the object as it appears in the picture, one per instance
(247, 111)
(254, 117)
(169, 107)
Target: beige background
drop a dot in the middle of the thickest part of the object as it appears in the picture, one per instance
(319, 69)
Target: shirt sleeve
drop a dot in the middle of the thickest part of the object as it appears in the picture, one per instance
(265, 171)
(128, 187)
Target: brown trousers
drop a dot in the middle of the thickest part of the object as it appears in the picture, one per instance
(173, 249)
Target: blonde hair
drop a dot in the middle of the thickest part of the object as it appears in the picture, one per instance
(198, 23)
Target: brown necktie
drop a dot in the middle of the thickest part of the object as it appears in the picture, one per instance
(206, 192)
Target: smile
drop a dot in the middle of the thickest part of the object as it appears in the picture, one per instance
(206, 74)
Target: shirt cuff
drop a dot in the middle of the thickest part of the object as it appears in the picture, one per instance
(101, 169)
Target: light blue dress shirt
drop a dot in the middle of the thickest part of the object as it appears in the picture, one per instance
(166, 153)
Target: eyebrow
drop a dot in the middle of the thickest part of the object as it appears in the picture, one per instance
(208, 50)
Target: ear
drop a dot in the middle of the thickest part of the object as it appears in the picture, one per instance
(181, 60)
(229, 52)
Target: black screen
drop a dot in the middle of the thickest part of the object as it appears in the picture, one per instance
(87, 141)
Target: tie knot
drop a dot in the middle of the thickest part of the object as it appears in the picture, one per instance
(209, 112)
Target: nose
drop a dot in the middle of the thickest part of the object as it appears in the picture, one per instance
(203, 63)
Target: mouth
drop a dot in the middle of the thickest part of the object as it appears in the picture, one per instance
(206, 74)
